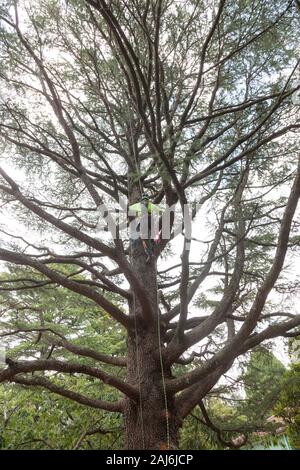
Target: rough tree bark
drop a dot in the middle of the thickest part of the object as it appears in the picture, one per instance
(146, 423)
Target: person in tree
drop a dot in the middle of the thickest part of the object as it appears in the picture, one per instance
(145, 229)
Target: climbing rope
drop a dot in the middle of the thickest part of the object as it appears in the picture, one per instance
(162, 369)
(138, 367)
(139, 376)
(158, 328)
(134, 306)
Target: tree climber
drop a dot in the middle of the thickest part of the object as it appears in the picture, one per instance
(143, 225)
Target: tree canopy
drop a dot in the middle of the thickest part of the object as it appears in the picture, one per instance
(192, 102)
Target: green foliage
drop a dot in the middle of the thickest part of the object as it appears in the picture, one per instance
(197, 435)
(37, 419)
(288, 405)
(243, 411)
(263, 381)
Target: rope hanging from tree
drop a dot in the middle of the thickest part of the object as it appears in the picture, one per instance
(152, 208)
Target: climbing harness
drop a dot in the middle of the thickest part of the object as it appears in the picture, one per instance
(145, 209)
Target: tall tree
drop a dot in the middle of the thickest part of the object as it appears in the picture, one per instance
(192, 102)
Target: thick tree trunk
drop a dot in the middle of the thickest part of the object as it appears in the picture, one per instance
(146, 423)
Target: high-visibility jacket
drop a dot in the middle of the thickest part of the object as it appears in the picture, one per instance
(138, 209)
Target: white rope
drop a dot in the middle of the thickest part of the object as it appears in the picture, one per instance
(138, 366)
(158, 329)
(134, 305)
(162, 370)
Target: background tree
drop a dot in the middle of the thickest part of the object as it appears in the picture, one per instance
(240, 411)
(190, 101)
(263, 380)
(35, 419)
(288, 404)
(40, 320)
